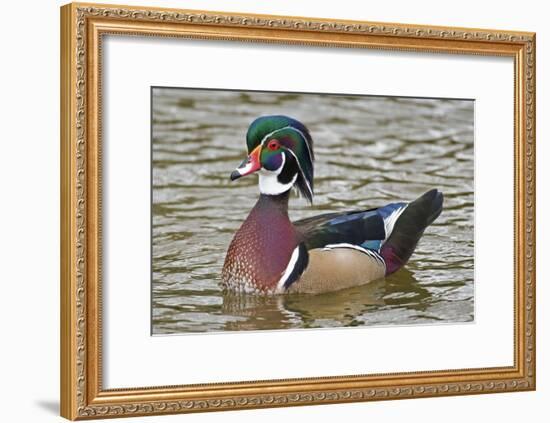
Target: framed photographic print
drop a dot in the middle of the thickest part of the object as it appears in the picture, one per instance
(265, 211)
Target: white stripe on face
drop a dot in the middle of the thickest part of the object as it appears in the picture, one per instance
(268, 136)
(302, 172)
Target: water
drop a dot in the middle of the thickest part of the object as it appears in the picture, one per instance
(369, 151)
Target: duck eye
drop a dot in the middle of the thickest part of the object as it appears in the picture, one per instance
(273, 145)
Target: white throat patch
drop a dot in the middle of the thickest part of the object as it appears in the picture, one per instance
(270, 185)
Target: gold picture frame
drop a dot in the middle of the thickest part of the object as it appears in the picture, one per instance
(82, 28)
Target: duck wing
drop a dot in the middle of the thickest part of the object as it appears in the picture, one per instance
(366, 229)
(389, 233)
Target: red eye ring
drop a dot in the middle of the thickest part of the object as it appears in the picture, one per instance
(273, 145)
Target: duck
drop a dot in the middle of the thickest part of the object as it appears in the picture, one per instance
(271, 255)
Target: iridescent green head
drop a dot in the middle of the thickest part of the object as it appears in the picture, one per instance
(281, 149)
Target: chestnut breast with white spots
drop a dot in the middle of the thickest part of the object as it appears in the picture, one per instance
(261, 249)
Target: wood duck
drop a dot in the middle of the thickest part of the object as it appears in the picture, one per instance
(269, 254)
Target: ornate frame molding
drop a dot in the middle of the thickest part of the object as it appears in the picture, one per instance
(82, 27)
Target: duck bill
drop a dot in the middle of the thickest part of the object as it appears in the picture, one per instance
(249, 165)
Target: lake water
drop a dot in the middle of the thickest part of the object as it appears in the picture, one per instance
(369, 151)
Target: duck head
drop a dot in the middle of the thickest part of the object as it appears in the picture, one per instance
(280, 150)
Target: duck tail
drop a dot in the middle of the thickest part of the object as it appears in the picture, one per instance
(408, 229)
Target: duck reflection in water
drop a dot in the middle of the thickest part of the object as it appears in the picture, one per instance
(341, 308)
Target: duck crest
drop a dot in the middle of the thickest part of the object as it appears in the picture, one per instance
(295, 138)
(262, 248)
